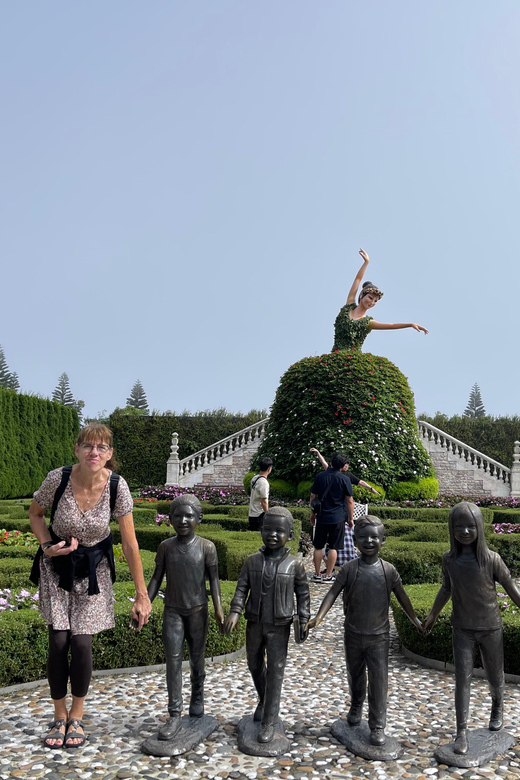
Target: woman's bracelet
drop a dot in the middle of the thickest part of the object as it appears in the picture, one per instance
(46, 545)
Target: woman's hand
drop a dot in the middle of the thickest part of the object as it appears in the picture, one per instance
(141, 610)
(364, 255)
(418, 328)
(61, 548)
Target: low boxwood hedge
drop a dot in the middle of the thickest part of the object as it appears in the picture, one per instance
(419, 514)
(506, 515)
(415, 561)
(438, 645)
(24, 642)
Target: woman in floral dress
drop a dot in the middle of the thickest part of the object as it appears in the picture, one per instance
(352, 324)
(81, 521)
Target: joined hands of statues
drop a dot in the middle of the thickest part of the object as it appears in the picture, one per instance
(230, 623)
(312, 623)
(428, 624)
(364, 255)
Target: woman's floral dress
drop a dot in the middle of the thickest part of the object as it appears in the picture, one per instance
(77, 611)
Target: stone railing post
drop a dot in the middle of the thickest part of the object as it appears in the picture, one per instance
(172, 467)
(515, 471)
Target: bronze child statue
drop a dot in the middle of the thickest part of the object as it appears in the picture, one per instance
(186, 560)
(469, 572)
(367, 583)
(268, 582)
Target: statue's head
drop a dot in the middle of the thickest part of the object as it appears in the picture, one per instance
(277, 527)
(370, 294)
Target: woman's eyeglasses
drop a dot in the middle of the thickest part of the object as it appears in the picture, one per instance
(101, 448)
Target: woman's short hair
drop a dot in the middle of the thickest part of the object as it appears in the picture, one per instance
(95, 432)
(190, 500)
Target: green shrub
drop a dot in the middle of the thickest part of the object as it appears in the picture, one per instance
(438, 644)
(303, 491)
(418, 532)
(24, 639)
(14, 511)
(415, 561)
(235, 511)
(144, 516)
(420, 514)
(499, 515)
(247, 481)
(427, 487)
(148, 561)
(364, 496)
(508, 547)
(163, 507)
(347, 401)
(14, 572)
(36, 436)
(17, 552)
(280, 488)
(15, 524)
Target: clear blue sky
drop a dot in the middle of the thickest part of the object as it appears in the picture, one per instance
(185, 186)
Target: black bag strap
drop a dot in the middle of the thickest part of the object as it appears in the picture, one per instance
(60, 490)
(255, 480)
(114, 482)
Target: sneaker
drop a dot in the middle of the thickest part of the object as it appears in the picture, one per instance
(330, 578)
(316, 578)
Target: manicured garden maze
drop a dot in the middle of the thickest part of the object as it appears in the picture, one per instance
(416, 539)
(23, 635)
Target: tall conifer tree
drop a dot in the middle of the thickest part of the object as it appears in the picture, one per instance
(475, 407)
(5, 374)
(137, 398)
(62, 392)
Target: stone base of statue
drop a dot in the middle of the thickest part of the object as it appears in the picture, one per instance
(191, 732)
(483, 746)
(248, 731)
(357, 740)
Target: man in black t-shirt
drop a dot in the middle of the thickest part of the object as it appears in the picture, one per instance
(334, 490)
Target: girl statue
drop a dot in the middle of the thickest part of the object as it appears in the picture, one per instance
(469, 573)
(352, 323)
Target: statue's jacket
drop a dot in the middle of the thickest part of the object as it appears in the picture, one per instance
(290, 581)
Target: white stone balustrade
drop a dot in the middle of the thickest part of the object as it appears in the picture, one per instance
(184, 472)
(515, 471)
(478, 460)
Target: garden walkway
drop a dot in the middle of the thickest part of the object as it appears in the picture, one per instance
(124, 709)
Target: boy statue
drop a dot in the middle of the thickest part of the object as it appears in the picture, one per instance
(186, 560)
(267, 584)
(366, 583)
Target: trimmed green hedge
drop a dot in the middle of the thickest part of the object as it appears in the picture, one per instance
(438, 644)
(24, 643)
(413, 490)
(144, 516)
(415, 561)
(506, 515)
(36, 436)
(422, 514)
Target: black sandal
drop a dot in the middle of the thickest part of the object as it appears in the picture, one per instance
(55, 733)
(72, 733)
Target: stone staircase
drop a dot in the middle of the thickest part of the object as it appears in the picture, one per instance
(460, 469)
(223, 463)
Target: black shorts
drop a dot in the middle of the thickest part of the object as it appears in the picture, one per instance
(255, 523)
(332, 534)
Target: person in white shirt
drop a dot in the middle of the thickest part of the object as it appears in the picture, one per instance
(259, 500)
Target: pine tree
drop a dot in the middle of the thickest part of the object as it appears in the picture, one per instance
(62, 392)
(137, 398)
(5, 374)
(14, 383)
(475, 407)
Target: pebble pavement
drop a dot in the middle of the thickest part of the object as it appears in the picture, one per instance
(123, 710)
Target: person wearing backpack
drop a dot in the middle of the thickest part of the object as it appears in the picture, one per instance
(75, 570)
(332, 505)
(259, 499)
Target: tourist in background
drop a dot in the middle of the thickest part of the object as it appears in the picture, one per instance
(259, 499)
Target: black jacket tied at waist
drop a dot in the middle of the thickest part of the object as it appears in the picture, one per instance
(80, 563)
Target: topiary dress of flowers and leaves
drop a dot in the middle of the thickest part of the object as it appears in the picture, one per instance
(351, 402)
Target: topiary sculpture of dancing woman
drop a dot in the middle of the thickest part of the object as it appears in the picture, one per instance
(352, 324)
